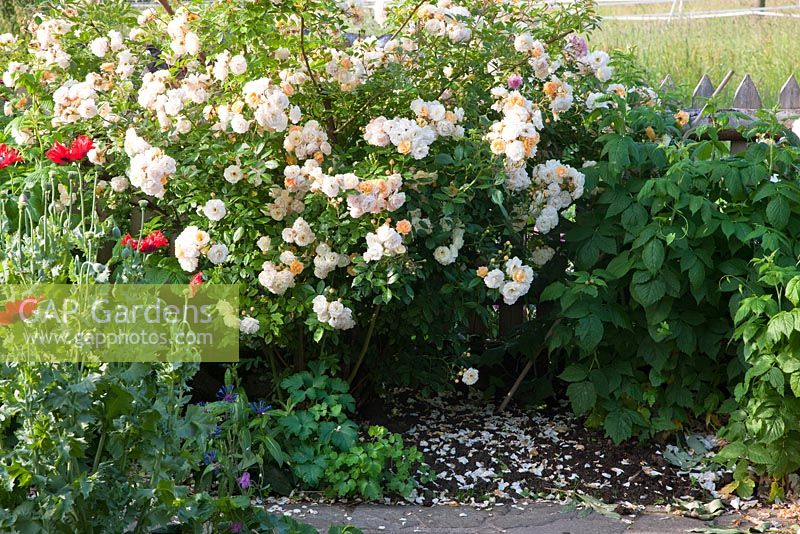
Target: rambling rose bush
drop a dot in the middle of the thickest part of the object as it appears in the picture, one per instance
(332, 161)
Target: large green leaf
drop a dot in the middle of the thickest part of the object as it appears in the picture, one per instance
(778, 212)
(653, 255)
(619, 425)
(589, 332)
(648, 293)
(583, 396)
(574, 373)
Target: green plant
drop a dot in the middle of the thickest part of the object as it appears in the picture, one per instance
(322, 446)
(764, 431)
(659, 253)
(381, 464)
(310, 441)
(91, 448)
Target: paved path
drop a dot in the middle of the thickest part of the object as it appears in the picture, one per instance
(531, 518)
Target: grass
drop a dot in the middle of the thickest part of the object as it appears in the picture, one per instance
(763, 47)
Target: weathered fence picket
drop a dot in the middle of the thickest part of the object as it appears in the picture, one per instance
(746, 100)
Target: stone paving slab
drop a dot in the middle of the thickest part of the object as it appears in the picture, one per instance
(532, 518)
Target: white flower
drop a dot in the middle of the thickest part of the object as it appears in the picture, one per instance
(444, 255)
(336, 314)
(214, 209)
(134, 144)
(99, 46)
(188, 245)
(115, 40)
(263, 243)
(239, 124)
(119, 184)
(149, 170)
(275, 280)
(96, 156)
(386, 241)
(512, 291)
(542, 255)
(469, 376)
(233, 174)
(217, 254)
(238, 64)
(299, 233)
(249, 325)
(523, 42)
(547, 219)
(494, 279)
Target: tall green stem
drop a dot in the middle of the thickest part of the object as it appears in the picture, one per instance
(99, 452)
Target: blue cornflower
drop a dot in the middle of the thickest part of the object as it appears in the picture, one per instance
(217, 432)
(260, 407)
(210, 457)
(227, 394)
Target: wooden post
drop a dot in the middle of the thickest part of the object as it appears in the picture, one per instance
(760, 3)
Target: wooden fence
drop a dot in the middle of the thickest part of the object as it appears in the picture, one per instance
(746, 100)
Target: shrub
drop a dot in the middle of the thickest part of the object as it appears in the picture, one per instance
(351, 174)
(668, 251)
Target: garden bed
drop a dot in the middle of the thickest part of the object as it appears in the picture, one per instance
(480, 456)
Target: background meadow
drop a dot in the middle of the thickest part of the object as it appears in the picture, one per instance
(686, 48)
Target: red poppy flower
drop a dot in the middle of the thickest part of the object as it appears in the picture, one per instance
(128, 240)
(80, 147)
(8, 156)
(152, 242)
(76, 151)
(17, 310)
(59, 154)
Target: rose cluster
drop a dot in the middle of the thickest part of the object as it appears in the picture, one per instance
(556, 186)
(512, 283)
(335, 314)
